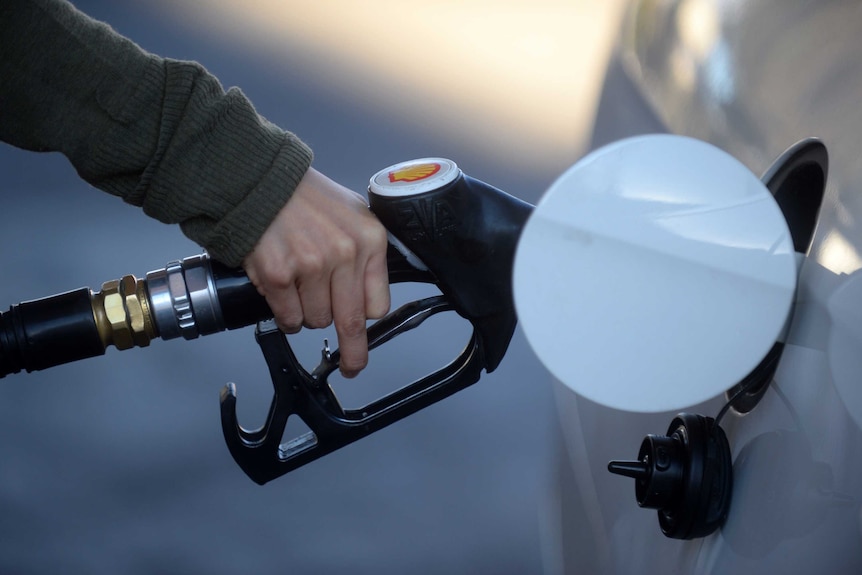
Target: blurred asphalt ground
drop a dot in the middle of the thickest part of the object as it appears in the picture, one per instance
(117, 464)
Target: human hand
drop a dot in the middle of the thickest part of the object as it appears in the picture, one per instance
(323, 260)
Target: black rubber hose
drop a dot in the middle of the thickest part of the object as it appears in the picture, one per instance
(47, 332)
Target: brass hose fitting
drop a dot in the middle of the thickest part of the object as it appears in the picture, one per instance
(122, 313)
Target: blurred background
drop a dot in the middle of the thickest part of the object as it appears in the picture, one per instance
(117, 464)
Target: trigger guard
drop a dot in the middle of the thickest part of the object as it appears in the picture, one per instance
(407, 317)
(260, 453)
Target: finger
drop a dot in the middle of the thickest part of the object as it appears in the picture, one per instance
(286, 308)
(314, 296)
(377, 298)
(348, 311)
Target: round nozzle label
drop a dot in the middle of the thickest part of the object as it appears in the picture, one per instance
(414, 177)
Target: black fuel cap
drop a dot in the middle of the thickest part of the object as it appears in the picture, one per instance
(686, 475)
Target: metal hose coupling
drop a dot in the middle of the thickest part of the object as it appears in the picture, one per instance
(122, 313)
(177, 300)
(183, 299)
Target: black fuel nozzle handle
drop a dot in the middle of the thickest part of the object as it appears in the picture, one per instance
(445, 228)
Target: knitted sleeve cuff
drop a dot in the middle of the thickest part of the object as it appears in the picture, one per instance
(231, 237)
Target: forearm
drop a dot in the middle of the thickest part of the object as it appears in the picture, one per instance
(161, 134)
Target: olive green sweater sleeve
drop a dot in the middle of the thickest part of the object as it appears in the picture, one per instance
(161, 134)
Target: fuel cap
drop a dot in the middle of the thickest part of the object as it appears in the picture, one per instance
(414, 177)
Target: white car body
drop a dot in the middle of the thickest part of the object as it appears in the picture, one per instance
(751, 78)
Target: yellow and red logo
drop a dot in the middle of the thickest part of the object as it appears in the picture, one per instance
(414, 173)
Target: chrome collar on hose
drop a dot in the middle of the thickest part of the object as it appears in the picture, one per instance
(183, 299)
